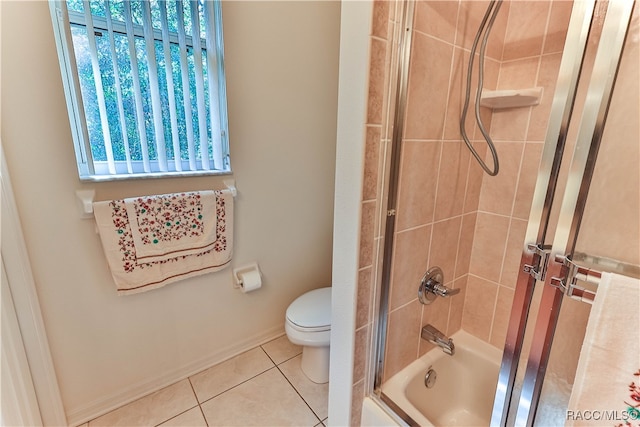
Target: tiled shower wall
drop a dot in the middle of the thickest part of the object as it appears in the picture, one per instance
(533, 44)
(377, 140)
(449, 213)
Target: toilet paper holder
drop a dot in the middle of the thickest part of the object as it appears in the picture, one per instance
(238, 272)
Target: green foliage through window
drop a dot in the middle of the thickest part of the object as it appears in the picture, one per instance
(149, 87)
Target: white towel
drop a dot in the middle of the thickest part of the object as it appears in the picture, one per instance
(169, 225)
(606, 390)
(132, 275)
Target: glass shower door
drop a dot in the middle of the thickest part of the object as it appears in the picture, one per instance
(600, 231)
(606, 236)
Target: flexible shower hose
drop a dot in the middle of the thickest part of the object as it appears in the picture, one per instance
(490, 15)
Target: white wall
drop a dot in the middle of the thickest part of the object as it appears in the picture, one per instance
(282, 71)
(356, 19)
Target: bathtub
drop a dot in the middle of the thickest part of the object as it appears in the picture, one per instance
(463, 391)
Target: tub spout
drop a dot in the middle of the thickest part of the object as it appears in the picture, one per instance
(434, 336)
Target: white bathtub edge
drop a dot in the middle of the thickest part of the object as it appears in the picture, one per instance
(375, 415)
(395, 386)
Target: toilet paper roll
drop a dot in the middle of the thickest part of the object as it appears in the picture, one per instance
(250, 281)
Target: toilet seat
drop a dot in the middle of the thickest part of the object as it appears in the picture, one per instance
(311, 312)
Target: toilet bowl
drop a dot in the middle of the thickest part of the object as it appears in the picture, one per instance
(308, 324)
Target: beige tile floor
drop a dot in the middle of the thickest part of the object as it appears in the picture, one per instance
(261, 387)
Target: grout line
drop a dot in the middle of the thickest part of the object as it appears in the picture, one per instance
(299, 394)
(545, 34)
(239, 384)
(493, 316)
(455, 261)
(268, 355)
(177, 415)
(197, 400)
(413, 228)
(422, 308)
(289, 358)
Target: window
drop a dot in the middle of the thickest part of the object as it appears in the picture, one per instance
(145, 86)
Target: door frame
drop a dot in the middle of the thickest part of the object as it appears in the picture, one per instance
(29, 330)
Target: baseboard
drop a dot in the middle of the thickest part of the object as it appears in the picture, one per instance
(80, 415)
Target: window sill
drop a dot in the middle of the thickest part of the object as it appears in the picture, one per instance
(152, 175)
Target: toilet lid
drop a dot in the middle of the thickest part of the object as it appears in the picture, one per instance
(311, 311)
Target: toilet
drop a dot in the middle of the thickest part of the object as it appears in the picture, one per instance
(308, 324)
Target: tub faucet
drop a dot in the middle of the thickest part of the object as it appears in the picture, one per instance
(436, 337)
(431, 286)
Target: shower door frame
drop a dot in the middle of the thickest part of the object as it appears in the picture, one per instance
(537, 228)
(539, 262)
(535, 259)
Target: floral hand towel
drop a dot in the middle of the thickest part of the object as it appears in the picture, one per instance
(132, 274)
(168, 225)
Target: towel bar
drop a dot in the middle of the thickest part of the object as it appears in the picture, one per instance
(231, 186)
(85, 198)
(575, 273)
(85, 202)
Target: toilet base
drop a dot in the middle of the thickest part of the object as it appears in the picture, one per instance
(315, 363)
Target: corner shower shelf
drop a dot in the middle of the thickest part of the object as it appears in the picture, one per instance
(512, 98)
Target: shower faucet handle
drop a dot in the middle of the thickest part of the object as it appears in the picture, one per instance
(431, 286)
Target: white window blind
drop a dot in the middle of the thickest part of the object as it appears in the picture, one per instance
(145, 86)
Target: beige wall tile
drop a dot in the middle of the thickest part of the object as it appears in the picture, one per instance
(455, 100)
(547, 77)
(469, 18)
(411, 256)
(457, 93)
(527, 180)
(490, 82)
(356, 404)
(498, 192)
(501, 317)
(525, 30)
(465, 245)
(367, 233)
(418, 180)
(437, 315)
(611, 222)
(360, 356)
(474, 178)
(380, 21)
(402, 338)
(428, 85)
(444, 245)
(371, 160)
(365, 288)
(557, 27)
(457, 306)
(479, 306)
(488, 246)
(376, 81)
(518, 73)
(511, 124)
(437, 18)
(452, 182)
(513, 253)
